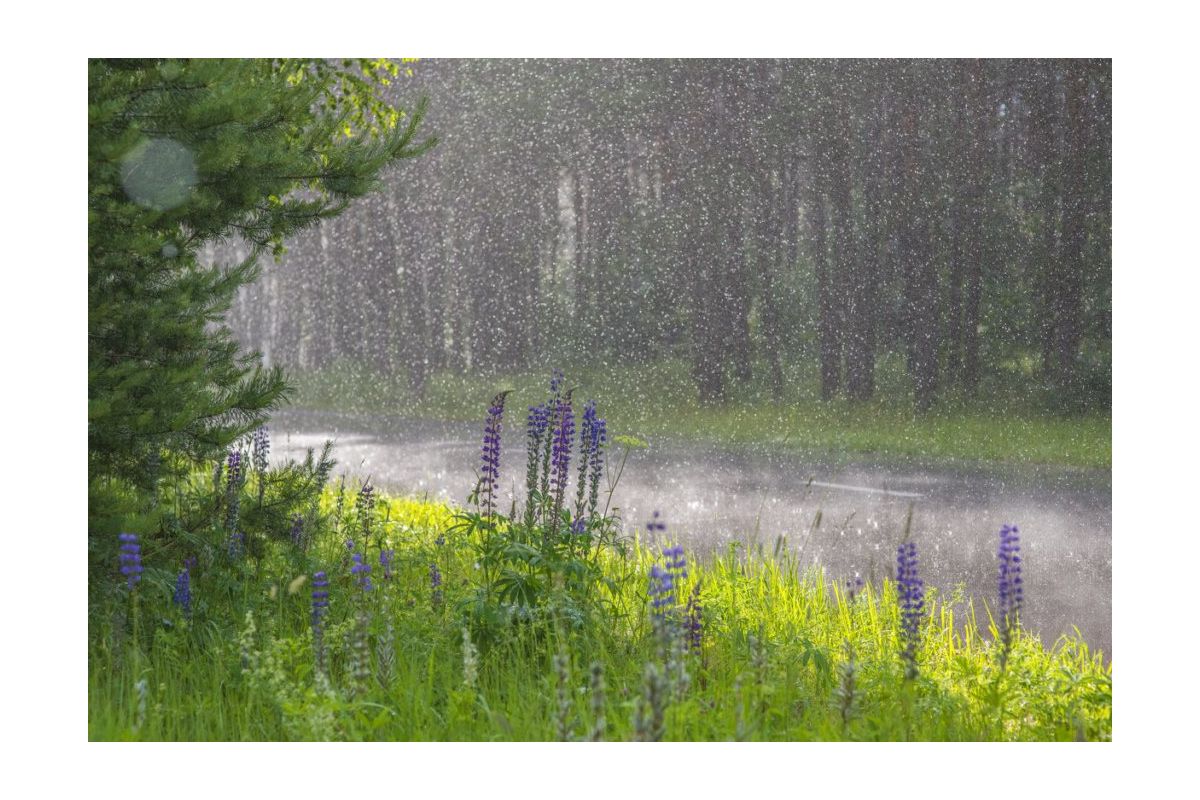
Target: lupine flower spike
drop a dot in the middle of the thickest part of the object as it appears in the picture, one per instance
(361, 571)
(490, 473)
(320, 603)
(183, 592)
(911, 591)
(131, 559)
(1011, 589)
(435, 583)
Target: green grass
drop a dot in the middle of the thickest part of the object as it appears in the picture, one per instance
(658, 401)
(773, 665)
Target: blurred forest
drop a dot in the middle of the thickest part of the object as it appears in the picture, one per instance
(740, 215)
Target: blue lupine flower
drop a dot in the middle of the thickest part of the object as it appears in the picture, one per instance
(1012, 592)
(556, 380)
(233, 488)
(365, 506)
(596, 461)
(435, 583)
(320, 603)
(655, 524)
(662, 591)
(560, 456)
(490, 472)
(235, 545)
(130, 558)
(361, 571)
(261, 449)
(234, 468)
(183, 592)
(535, 431)
(385, 560)
(911, 594)
(676, 563)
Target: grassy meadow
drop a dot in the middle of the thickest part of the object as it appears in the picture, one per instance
(466, 625)
(1006, 423)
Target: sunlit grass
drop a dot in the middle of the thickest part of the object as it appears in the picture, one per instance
(776, 643)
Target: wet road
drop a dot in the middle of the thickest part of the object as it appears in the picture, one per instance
(710, 496)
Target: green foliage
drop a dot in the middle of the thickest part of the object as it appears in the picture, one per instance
(773, 665)
(183, 153)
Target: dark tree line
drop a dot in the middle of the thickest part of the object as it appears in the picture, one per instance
(744, 215)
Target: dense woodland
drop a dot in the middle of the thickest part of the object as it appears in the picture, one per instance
(741, 215)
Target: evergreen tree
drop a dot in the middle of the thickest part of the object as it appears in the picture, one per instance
(182, 153)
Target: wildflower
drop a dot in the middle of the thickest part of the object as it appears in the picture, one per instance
(1010, 584)
(183, 592)
(130, 558)
(1011, 591)
(535, 432)
(320, 603)
(911, 592)
(662, 591)
(364, 505)
(233, 488)
(361, 571)
(655, 525)
(435, 583)
(385, 560)
(490, 473)
(560, 456)
(676, 564)
(596, 462)
(297, 530)
(260, 449)
(235, 545)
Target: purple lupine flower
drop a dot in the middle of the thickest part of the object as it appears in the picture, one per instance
(490, 472)
(911, 595)
(183, 591)
(560, 456)
(364, 505)
(235, 545)
(385, 560)
(656, 525)
(662, 591)
(320, 604)
(260, 449)
(587, 445)
(579, 526)
(1012, 592)
(556, 380)
(693, 623)
(233, 487)
(596, 461)
(234, 468)
(440, 541)
(361, 571)
(435, 583)
(535, 431)
(676, 563)
(130, 558)
(297, 530)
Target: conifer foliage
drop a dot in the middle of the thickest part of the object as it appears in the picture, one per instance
(182, 153)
